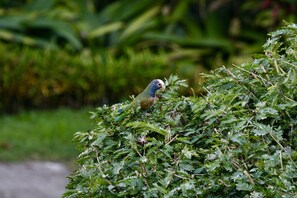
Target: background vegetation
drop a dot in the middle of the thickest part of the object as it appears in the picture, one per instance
(238, 140)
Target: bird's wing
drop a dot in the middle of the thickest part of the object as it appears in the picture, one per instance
(147, 103)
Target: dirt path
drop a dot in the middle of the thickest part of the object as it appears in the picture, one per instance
(32, 180)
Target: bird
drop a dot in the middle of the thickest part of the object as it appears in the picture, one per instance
(145, 99)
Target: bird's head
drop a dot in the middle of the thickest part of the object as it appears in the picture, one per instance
(156, 85)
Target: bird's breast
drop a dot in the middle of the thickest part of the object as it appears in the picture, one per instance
(147, 103)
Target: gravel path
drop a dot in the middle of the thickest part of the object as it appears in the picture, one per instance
(33, 180)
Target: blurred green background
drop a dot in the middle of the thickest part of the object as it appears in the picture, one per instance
(61, 58)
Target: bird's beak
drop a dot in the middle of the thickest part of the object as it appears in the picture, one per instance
(163, 87)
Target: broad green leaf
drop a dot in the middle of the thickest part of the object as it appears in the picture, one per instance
(40, 5)
(140, 22)
(13, 22)
(117, 167)
(105, 29)
(148, 126)
(242, 186)
(20, 38)
(261, 129)
(61, 28)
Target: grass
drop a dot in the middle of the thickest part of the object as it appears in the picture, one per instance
(42, 135)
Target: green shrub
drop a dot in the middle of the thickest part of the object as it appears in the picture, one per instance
(236, 141)
(48, 78)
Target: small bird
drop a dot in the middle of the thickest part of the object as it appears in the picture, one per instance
(145, 99)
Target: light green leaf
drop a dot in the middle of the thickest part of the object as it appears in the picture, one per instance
(105, 29)
(242, 186)
(148, 126)
(261, 129)
(117, 167)
(139, 22)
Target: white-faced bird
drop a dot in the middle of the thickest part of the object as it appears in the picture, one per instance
(145, 99)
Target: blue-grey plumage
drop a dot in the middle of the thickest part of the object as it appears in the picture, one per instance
(145, 99)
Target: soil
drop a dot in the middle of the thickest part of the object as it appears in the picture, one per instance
(33, 179)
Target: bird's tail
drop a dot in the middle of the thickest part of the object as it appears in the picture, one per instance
(122, 113)
(119, 117)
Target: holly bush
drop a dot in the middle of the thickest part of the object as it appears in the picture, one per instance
(237, 140)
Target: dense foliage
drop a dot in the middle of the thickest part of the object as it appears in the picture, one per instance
(236, 141)
(215, 24)
(50, 78)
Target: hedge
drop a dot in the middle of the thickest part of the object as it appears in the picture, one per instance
(36, 78)
(239, 140)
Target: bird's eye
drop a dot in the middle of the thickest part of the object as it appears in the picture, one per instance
(159, 84)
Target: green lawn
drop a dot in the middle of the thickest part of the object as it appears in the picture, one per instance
(41, 135)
